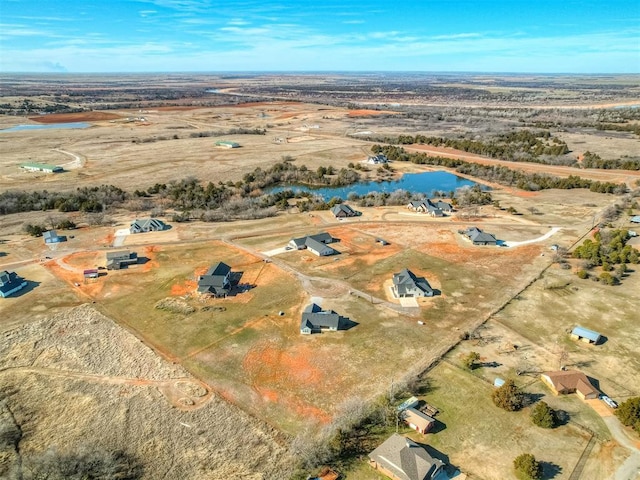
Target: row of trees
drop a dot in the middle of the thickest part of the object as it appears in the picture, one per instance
(501, 174)
(593, 160)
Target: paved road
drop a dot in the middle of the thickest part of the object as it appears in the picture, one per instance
(630, 469)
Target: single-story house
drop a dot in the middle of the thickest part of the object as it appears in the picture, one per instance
(343, 210)
(478, 237)
(435, 209)
(570, 381)
(216, 281)
(400, 458)
(406, 284)
(50, 236)
(585, 335)
(417, 420)
(444, 206)
(91, 273)
(41, 167)
(10, 283)
(316, 244)
(635, 219)
(377, 159)
(147, 225)
(314, 320)
(227, 144)
(121, 259)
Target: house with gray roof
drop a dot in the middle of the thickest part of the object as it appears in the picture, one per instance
(216, 281)
(10, 283)
(147, 225)
(342, 210)
(442, 205)
(378, 159)
(316, 244)
(406, 284)
(400, 458)
(50, 236)
(585, 335)
(121, 259)
(314, 320)
(478, 237)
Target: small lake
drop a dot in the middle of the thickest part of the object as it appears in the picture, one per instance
(46, 126)
(426, 182)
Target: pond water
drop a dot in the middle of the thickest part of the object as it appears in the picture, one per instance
(426, 182)
(46, 126)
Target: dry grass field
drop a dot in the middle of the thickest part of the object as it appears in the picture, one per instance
(246, 350)
(71, 376)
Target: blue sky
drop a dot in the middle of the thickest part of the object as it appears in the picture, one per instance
(540, 36)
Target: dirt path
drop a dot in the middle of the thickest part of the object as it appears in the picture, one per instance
(619, 176)
(78, 160)
(534, 240)
(185, 393)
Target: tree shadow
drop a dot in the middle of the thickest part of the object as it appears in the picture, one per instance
(550, 470)
(582, 364)
(529, 398)
(3, 254)
(562, 418)
(493, 364)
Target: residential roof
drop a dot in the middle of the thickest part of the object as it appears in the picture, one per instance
(477, 235)
(571, 380)
(317, 246)
(405, 459)
(315, 318)
(148, 224)
(586, 333)
(442, 205)
(49, 234)
(215, 280)
(419, 419)
(343, 207)
(9, 281)
(405, 281)
(120, 255)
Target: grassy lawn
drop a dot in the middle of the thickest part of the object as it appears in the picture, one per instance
(482, 439)
(545, 316)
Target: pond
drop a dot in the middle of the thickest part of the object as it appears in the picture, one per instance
(426, 182)
(47, 126)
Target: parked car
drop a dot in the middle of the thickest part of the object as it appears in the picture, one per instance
(609, 401)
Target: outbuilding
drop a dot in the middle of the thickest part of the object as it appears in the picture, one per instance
(50, 236)
(585, 335)
(227, 144)
(417, 420)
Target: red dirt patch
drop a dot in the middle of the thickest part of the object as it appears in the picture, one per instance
(273, 372)
(75, 117)
(368, 113)
(175, 109)
(265, 104)
(150, 253)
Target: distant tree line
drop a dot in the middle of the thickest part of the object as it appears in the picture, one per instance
(501, 174)
(522, 146)
(592, 160)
